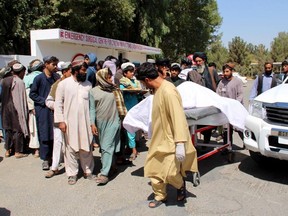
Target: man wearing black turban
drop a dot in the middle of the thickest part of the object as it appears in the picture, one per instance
(209, 76)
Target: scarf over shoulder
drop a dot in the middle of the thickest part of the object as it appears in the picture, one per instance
(104, 85)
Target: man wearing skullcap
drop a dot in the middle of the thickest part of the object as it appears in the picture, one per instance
(15, 112)
(175, 70)
(112, 66)
(71, 110)
(11, 63)
(128, 81)
(230, 87)
(119, 73)
(44, 117)
(34, 69)
(65, 68)
(186, 65)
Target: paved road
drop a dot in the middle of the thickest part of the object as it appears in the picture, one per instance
(238, 188)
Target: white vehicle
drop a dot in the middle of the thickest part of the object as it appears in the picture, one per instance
(266, 126)
(243, 79)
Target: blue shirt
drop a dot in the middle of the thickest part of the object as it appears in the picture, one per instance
(130, 99)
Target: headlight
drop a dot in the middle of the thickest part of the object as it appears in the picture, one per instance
(256, 109)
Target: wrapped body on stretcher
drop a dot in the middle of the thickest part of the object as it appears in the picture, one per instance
(201, 106)
(211, 116)
(211, 108)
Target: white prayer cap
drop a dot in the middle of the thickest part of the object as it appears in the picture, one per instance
(175, 64)
(18, 67)
(59, 64)
(151, 61)
(126, 64)
(64, 65)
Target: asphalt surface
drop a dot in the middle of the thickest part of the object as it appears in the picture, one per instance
(241, 187)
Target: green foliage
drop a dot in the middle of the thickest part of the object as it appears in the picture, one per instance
(260, 55)
(279, 47)
(238, 53)
(217, 53)
(178, 27)
(192, 24)
(150, 22)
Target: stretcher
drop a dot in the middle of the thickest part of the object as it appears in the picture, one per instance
(212, 117)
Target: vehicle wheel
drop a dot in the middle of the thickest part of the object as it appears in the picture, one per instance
(257, 157)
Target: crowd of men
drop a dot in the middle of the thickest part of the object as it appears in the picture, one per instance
(56, 110)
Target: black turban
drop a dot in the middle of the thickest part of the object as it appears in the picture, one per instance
(201, 55)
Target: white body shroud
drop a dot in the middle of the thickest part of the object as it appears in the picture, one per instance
(193, 95)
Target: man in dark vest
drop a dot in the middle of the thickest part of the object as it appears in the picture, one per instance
(263, 81)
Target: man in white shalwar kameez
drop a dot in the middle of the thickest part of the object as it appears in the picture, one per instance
(72, 114)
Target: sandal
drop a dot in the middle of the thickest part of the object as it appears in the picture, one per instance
(181, 193)
(72, 180)
(89, 176)
(7, 153)
(155, 203)
(51, 173)
(101, 179)
(20, 155)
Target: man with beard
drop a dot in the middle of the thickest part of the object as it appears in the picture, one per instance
(175, 70)
(44, 117)
(57, 155)
(15, 112)
(263, 81)
(208, 78)
(209, 75)
(71, 112)
(230, 87)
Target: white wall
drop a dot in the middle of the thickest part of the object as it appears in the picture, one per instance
(4, 59)
(24, 59)
(132, 56)
(66, 51)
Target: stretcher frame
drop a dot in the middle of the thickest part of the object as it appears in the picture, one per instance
(214, 120)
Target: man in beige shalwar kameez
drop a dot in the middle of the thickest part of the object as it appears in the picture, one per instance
(171, 151)
(72, 114)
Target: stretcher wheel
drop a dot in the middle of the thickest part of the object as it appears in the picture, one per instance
(196, 179)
